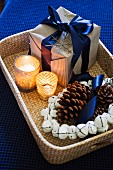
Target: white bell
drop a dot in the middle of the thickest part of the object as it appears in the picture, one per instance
(51, 105)
(47, 117)
(109, 117)
(65, 126)
(47, 126)
(72, 132)
(53, 113)
(84, 83)
(55, 130)
(105, 115)
(100, 121)
(92, 129)
(90, 83)
(54, 122)
(72, 129)
(103, 129)
(52, 99)
(110, 109)
(44, 111)
(89, 123)
(107, 81)
(82, 130)
(57, 103)
(63, 133)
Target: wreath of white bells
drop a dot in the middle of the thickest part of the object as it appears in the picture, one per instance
(50, 124)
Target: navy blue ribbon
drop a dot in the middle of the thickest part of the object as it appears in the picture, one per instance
(89, 109)
(78, 29)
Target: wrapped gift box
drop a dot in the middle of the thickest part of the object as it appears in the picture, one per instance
(62, 51)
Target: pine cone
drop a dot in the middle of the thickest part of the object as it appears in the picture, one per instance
(105, 95)
(104, 98)
(99, 111)
(72, 102)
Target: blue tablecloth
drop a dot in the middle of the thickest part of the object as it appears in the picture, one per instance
(18, 149)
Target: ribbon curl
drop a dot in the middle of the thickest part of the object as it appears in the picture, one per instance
(89, 109)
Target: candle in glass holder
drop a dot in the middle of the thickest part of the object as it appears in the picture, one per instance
(26, 68)
(46, 83)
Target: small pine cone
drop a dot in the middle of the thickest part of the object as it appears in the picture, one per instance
(104, 98)
(105, 94)
(72, 102)
(100, 109)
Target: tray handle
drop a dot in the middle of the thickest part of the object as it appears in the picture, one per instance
(103, 143)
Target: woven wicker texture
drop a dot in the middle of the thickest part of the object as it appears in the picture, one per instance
(17, 146)
(34, 104)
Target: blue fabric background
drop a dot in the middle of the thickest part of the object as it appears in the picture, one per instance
(18, 149)
(19, 15)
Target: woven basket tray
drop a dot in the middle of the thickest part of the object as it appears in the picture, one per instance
(55, 150)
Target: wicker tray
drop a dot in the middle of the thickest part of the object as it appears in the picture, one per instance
(56, 151)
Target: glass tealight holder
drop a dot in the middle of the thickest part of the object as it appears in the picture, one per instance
(26, 68)
(46, 83)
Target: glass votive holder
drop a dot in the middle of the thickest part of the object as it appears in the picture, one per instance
(26, 68)
(46, 83)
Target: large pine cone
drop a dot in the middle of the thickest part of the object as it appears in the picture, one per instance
(104, 98)
(72, 102)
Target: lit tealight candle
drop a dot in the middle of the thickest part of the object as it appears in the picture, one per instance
(26, 68)
(46, 84)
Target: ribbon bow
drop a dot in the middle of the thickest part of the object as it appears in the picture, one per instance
(78, 29)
